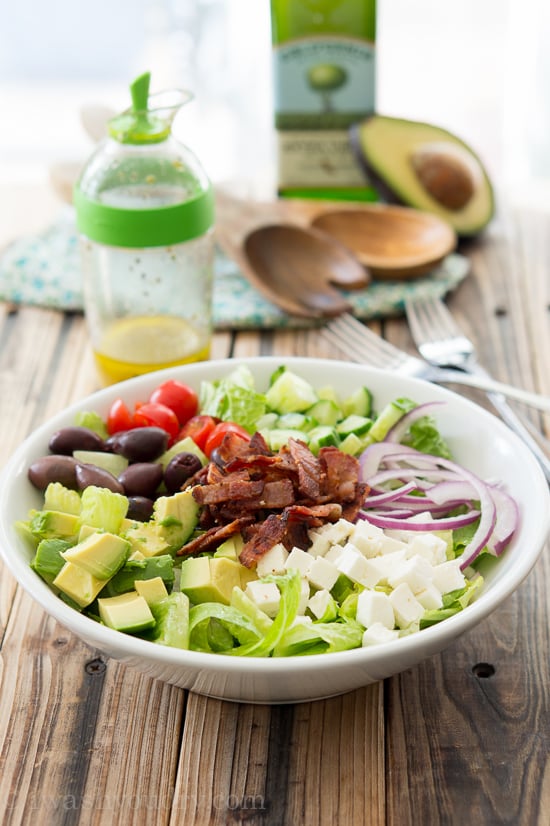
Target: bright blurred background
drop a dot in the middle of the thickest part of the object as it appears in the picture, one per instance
(480, 68)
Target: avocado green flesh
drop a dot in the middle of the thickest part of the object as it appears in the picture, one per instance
(384, 146)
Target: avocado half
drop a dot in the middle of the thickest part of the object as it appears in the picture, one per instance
(425, 167)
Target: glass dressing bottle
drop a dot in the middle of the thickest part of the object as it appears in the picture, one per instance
(145, 214)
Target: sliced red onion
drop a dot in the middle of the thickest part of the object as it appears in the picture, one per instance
(507, 520)
(389, 495)
(404, 523)
(373, 455)
(400, 428)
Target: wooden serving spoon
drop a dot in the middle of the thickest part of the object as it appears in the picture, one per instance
(295, 266)
(393, 242)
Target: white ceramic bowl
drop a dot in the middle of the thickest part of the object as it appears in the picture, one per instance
(478, 440)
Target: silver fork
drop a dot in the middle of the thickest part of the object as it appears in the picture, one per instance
(360, 344)
(443, 344)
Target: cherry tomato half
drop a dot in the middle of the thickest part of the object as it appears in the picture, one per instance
(119, 417)
(198, 428)
(153, 414)
(179, 397)
(216, 436)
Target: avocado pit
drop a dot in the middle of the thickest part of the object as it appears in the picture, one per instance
(445, 175)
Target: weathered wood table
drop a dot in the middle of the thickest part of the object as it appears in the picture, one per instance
(464, 737)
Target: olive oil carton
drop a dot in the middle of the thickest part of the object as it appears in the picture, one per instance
(324, 82)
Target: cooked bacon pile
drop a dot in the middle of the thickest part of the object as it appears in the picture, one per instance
(272, 497)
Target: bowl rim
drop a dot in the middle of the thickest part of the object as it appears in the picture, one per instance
(127, 645)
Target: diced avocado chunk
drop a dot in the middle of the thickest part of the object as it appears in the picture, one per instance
(206, 579)
(101, 554)
(126, 612)
(53, 524)
(146, 538)
(172, 621)
(185, 445)
(231, 548)
(138, 569)
(176, 517)
(48, 561)
(59, 498)
(112, 462)
(152, 590)
(78, 584)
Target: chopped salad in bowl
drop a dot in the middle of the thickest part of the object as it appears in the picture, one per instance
(270, 511)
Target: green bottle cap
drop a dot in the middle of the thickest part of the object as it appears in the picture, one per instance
(139, 124)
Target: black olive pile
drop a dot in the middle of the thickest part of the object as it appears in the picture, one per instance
(140, 481)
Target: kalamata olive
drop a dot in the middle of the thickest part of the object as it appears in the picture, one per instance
(180, 469)
(142, 444)
(139, 508)
(87, 475)
(75, 438)
(141, 479)
(53, 468)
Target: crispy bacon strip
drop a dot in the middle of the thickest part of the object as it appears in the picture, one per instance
(212, 538)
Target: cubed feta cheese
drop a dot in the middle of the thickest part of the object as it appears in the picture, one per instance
(431, 547)
(416, 572)
(299, 560)
(430, 598)
(357, 567)
(334, 554)
(265, 595)
(322, 573)
(377, 634)
(448, 576)
(406, 607)
(304, 596)
(367, 538)
(389, 545)
(320, 603)
(375, 607)
(272, 562)
(387, 564)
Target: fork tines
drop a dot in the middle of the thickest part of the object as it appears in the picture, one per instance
(356, 341)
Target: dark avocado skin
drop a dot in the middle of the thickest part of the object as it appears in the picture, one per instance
(388, 195)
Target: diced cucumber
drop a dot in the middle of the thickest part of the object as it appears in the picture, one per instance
(290, 393)
(354, 424)
(352, 445)
(322, 436)
(267, 421)
(295, 421)
(330, 393)
(325, 412)
(385, 420)
(359, 403)
(278, 437)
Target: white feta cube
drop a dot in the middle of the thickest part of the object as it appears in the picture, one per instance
(322, 573)
(387, 564)
(406, 607)
(320, 603)
(448, 576)
(430, 597)
(304, 596)
(272, 562)
(265, 595)
(357, 567)
(367, 538)
(431, 547)
(377, 634)
(416, 572)
(389, 545)
(334, 554)
(375, 607)
(299, 560)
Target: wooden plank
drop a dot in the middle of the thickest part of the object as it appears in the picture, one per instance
(313, 763)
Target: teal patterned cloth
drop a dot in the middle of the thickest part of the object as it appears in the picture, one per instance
(44, 270)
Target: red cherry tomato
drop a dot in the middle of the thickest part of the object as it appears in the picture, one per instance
(119, 417)
(216, 436)
(179, 397)
(152, 414)
(198, 428)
